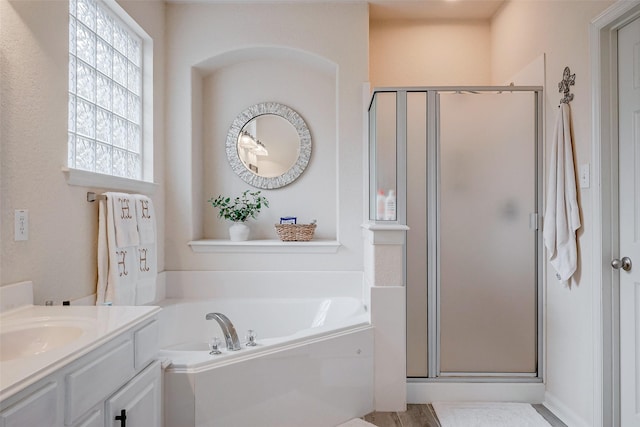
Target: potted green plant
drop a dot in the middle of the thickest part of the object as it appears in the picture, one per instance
(238, 211)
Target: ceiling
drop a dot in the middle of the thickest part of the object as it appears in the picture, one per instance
(382, 10)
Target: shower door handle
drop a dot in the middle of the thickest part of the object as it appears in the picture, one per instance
(624, 263)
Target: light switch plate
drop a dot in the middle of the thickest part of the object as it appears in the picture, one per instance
(21, 231)
(585, 176)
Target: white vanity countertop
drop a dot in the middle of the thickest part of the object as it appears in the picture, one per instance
(87, 328)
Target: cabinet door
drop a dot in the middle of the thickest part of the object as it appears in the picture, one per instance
(38, 409)
(140, 400)
(96, 419)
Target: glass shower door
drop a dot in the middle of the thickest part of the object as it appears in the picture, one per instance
(487, 290)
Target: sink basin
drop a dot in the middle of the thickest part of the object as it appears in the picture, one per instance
(33, 339)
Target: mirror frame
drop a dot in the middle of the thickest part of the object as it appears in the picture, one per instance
(251, 113)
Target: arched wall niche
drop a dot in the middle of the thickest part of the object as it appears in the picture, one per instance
(252, 53)
(224, 85)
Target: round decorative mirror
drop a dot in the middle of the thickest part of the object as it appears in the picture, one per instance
(268, 145)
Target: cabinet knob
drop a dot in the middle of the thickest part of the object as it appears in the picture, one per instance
(122, 418)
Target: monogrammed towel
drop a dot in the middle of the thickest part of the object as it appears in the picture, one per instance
(147, 261)
(117, 272)
(123, 209)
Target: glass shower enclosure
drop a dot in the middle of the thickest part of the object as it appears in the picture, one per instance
(465, 166)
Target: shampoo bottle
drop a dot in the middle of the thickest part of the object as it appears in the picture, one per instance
(380, 205)
(390, 206)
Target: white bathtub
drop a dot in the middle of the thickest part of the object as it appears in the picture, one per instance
(313, 365)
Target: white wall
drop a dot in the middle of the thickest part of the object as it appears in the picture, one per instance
(429, 53)
(60, 255)
(307, 87)
(209, 83)
(522, 31)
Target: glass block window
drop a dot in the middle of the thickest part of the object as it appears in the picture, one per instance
(105, 92)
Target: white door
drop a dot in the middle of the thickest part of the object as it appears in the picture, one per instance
(629, 193)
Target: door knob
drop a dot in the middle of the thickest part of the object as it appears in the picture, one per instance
(624, 263)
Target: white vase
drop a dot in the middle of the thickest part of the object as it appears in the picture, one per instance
(239, 232)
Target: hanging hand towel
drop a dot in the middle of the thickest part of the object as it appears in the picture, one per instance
(124, 219)
(146, 251)
(117, 272)
(562, 216)
(103, 255)
(146, 263)
(146, 219)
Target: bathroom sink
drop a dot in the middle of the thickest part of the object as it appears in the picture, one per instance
(33, 338)
(37, 341)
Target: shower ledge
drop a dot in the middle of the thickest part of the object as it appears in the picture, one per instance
(265, 246)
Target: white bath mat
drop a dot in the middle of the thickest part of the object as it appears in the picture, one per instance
(488, 414)
(357, 422)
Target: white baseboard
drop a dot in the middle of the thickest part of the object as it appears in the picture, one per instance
(561, 411)
(428, 392)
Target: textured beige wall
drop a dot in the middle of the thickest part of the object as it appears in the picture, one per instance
(429, 53)
(60, 255)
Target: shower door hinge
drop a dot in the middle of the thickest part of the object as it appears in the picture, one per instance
(534, 221)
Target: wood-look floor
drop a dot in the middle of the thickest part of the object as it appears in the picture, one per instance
(416, 415)
(425, 416)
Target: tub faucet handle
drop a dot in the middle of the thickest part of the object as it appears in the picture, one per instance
(251, 338)
(214, 345)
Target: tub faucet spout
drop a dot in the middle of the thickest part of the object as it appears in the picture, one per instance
(229, 331)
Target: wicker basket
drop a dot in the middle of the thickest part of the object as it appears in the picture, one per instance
(295, 232)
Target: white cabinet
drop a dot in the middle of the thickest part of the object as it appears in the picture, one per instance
(139, 401)
(39, 408)
(95, 419)
(96, 379)
(120, 375)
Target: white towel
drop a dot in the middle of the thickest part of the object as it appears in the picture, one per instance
(562, 216)
(147, 261)
(117, 266)
(123, 207)
(146, 219)
(146, 264)
(103, 255)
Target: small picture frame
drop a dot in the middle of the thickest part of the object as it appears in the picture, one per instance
(289, 220)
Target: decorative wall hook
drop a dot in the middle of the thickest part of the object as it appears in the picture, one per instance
(568, 79)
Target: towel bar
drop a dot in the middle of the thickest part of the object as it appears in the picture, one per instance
(92, 197)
